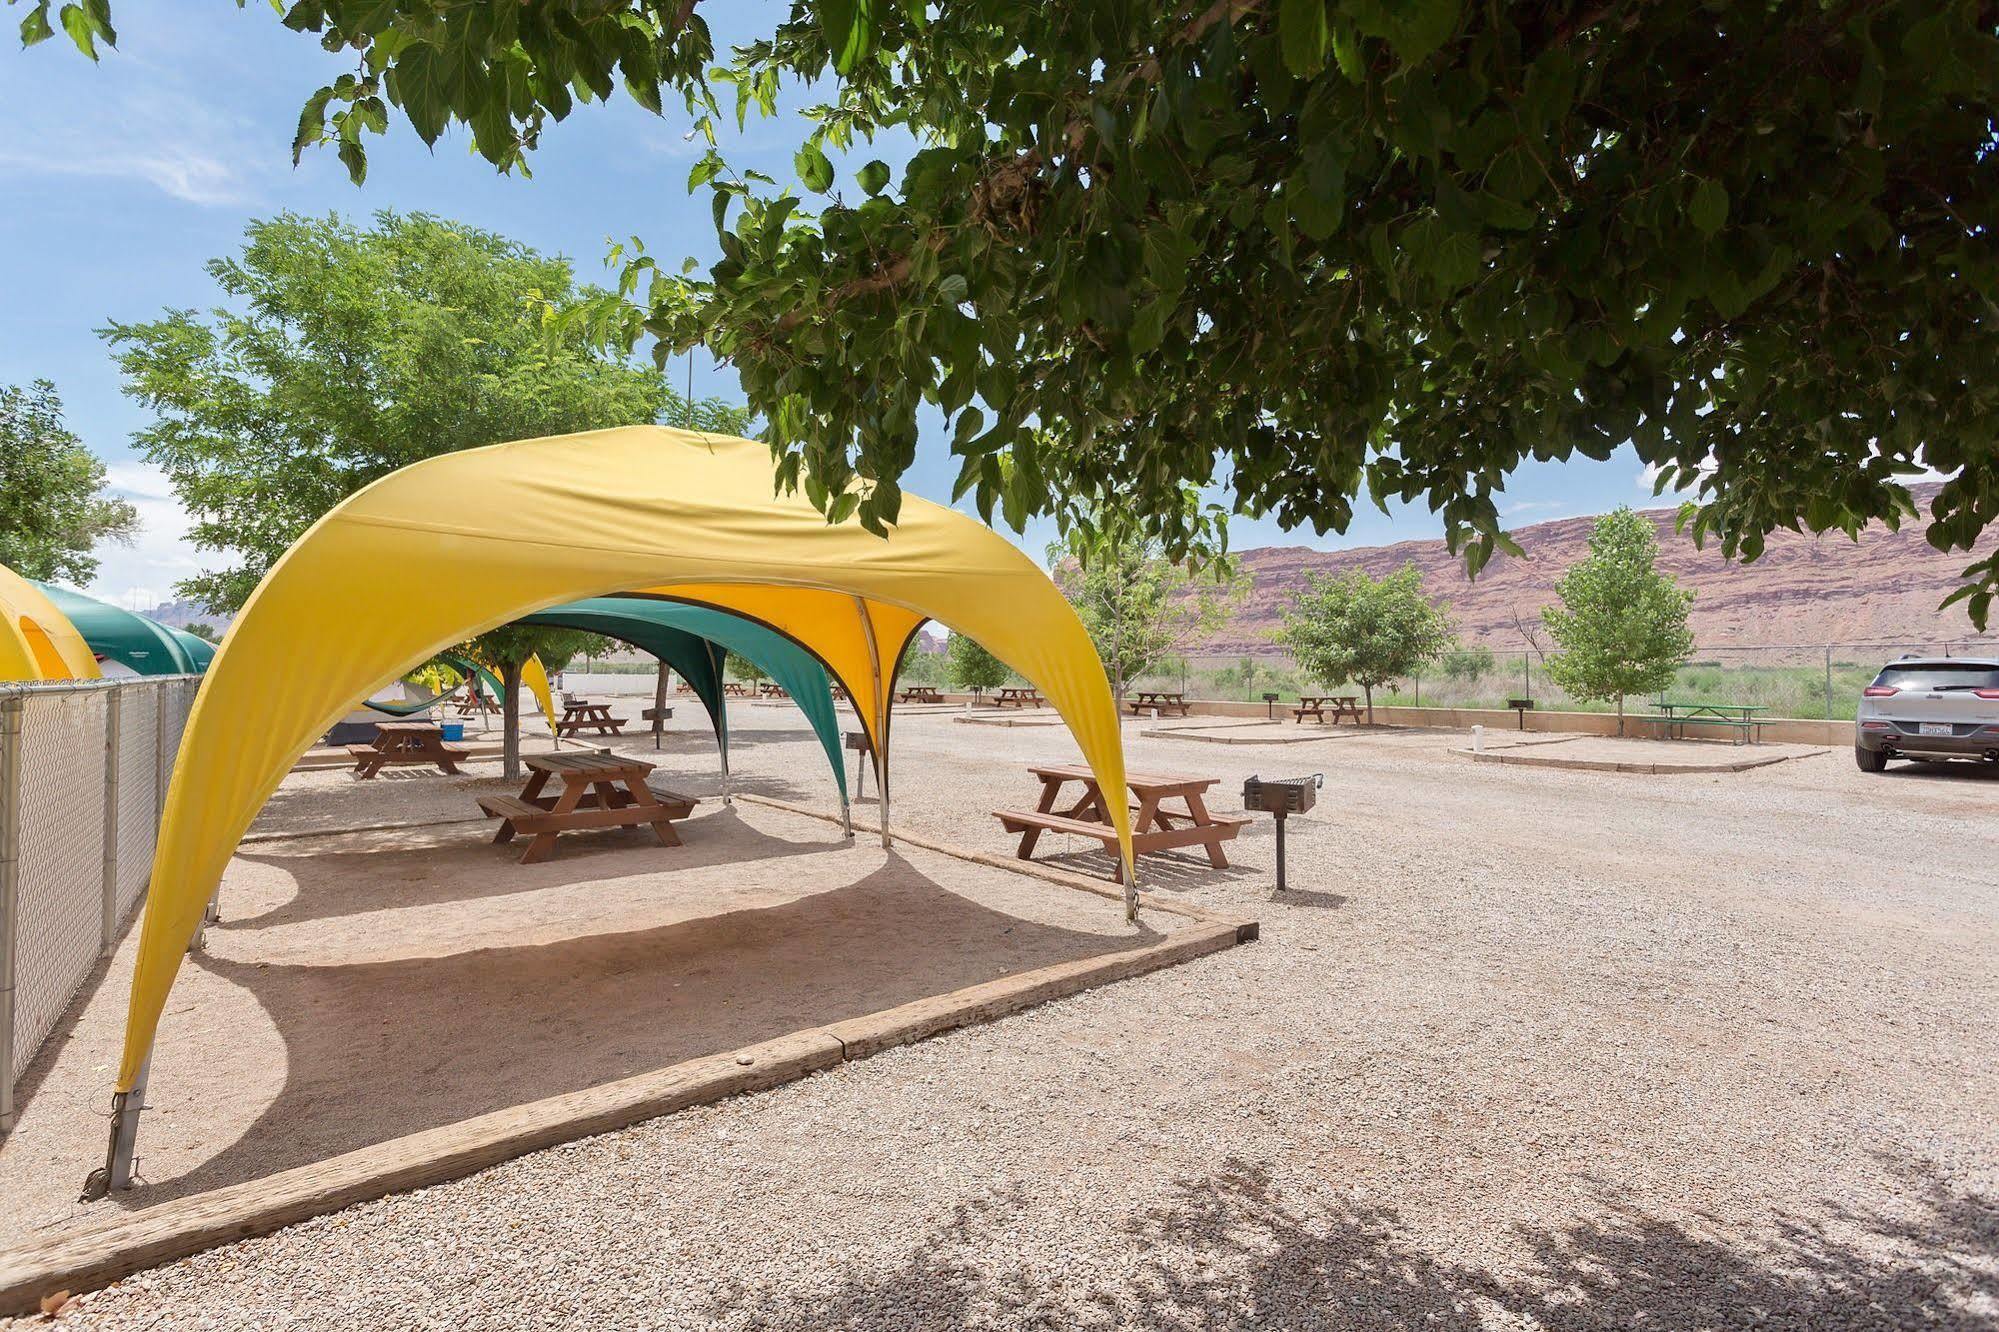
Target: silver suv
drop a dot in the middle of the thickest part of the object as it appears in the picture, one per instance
(1929, 708)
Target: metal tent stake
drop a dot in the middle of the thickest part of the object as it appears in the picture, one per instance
(115, 1175)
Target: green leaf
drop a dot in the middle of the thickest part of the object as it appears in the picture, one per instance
(1709, 207)
(1148, 326)
(849, 26)
(35, 26)
(952, 288)
(815, 172)
(874, 177)
(1303, 32)
(80, 29)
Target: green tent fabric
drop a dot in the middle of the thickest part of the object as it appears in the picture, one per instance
(465, 666)
(142, 646)
(692, 641)
(199, 650)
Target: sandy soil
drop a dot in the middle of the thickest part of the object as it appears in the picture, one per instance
(1524, 1048)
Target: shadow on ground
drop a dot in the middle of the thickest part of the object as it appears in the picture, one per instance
(1228, 1251)
(378, 1050)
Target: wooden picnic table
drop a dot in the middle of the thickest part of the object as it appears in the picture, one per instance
(1318, 705)
(1012, 696)
(404, 743)
(1162, 700)
(580, 714)
(598, 791)
(770, 689)
(475, 701)
(920, 694)
(1675, 715)
(735, 689)
(1154, 826)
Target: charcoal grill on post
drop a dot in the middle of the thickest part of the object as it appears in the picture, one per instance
(1281, 797)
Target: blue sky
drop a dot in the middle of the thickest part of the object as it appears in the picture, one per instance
(120, 179)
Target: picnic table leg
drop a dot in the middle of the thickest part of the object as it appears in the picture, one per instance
(1029, 839)
(1199, 809)
(641, 794)
(544, 842)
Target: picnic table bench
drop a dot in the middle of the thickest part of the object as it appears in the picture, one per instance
(1675, 715)
(1162, 700)
(1011, 696)
(475, 701)
(580, 714)
(1153, 826)
(920, 694)
(402, 744)
(598, 791)
(1318, 705)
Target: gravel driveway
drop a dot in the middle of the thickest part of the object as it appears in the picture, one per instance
(1525, 1049)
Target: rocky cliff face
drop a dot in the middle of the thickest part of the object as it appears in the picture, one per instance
(1804, 589)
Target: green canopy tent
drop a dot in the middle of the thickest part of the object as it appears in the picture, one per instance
(474, 674)
(693, 641)
(142, 646)
(199, 650)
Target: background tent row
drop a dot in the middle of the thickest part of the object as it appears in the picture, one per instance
(51, 633)
(513, 530)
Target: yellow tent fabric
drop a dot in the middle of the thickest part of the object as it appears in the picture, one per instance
(37, 641)
(515, 528)
(535, 676)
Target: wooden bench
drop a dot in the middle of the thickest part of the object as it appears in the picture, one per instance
(920, 694)
(1032, 823)
(1013, 697)
(1748, 730)
(1160, 702)
(406, 744)
(598, 791)
(1345, 705)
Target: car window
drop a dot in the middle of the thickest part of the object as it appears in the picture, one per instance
(1940, 675)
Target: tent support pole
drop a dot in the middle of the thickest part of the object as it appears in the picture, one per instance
(115, 1175)
(881, 715)
(1130, 878)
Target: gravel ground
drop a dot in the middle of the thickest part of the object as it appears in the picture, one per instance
(1524, 1048)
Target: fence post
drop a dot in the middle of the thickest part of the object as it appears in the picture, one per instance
(114, 718)
(10, 890)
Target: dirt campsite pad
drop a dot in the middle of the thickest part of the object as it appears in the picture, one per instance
(364, 987)
(1247, 733)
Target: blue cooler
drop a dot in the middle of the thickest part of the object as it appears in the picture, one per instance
(452, 731)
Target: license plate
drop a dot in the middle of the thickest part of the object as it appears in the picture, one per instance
(1934, 728)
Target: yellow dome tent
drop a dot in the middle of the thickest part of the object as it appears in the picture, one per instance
(37, 641)
(511, 529)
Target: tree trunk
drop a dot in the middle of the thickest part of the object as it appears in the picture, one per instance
(1620, 714)
(1368, 690)
(510, 720)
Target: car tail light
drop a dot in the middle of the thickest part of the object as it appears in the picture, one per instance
(1876, 726)
(1986, 693)
(1879, 691)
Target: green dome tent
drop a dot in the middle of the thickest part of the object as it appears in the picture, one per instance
(142, 646)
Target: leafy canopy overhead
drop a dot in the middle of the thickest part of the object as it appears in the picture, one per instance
(346, 352)
(1306, 249)
(1622, 625)
(53, 510)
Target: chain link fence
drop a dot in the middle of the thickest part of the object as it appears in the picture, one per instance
(1804, 680)
(83, 776)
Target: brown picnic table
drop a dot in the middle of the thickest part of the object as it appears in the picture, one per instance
(403, 744)
(598, 791)
(733, 689)
(580, 714)
(920, 694)
(1154, 826)
(1163, 700)
(1318, 705)
(1012, 696)
(475, 701)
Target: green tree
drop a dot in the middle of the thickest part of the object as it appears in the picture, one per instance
(742, 668)
(1139, 605)
(53, 509)
(1622, 625)
(347, 352)
(206, 632)
(506, 651)
(1365, 631)
(1468, 662)
(1334, 246)
(969, 666)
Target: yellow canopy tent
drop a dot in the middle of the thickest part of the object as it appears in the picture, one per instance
(511, 529)
(37, 641)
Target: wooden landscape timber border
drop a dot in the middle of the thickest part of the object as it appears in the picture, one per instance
(1614, 765)
(87, 1257)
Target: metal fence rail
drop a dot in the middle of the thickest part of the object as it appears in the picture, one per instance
(83, 776)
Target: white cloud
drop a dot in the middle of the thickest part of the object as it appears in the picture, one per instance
(142, 575)
(182, 173)
(1519, 507)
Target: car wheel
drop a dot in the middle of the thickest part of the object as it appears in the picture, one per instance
(1870, 760)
